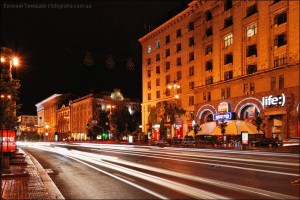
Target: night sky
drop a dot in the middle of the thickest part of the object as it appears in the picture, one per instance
(53, 43)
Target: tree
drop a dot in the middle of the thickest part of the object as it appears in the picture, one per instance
(258, 122)
(222, 125)
(123, 117)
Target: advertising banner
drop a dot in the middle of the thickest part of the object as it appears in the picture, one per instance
(244, 137)
(8, 140)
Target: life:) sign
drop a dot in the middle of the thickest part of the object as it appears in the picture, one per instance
(8, 140)
(273, 100)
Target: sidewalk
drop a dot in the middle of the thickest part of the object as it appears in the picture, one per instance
(28, 181)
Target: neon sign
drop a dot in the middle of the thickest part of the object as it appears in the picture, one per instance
(273, 100)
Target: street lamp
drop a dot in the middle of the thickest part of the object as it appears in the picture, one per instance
(46, 134)
(8, 57)
(110, 107)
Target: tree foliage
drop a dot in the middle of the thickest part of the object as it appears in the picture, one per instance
(258, 122)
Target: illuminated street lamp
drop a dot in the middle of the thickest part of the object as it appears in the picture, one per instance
(46, 134)
(7, 56)
(110, 107)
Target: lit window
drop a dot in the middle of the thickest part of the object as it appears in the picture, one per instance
(228, 40)
(157, 44)
(149, 49)
(252, 30)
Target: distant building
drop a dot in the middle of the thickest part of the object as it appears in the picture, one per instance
(243, 54)
(28, 127)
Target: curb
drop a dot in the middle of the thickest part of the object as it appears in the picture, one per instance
(50, 186)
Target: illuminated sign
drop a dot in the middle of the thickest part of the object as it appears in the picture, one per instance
(228, 115)
(273, 100)
(244, 137)
(8, 140)
(223, 107)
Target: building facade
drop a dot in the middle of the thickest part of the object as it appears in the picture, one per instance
(28, 127)
(244, 54)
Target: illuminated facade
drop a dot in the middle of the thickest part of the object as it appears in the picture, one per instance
(245, 53)
(63, 122)
(28, 125)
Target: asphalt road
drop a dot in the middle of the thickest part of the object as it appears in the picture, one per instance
(103, 171)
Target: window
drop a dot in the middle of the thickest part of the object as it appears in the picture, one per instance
(280, 18)
(245, 88)
(178, 47)
(157, 94)
(251, 50)
(158, 82)
(158, 57)
(191, 41)
(191, 71)
(149, 49)
(178, 33)
(251, 10)
(228, 39)
(167, 52)
(191, 100)
(149, 96)
(149, 73)
(208, 15)
(208, 96)
(280, 61)
(228, 92)
(178, 61)
(204, 96)
(191, 26)
(227, 5)
(157, 69)
(191, 56)
(273, 83)
(178, 90)
(149, 85)
(209, 32)
(228, 59)
(252, 87)
(167, 66)
(228, 22)
(149, 61)
(208, 49)
(251, 69)
(179, 75)
(281, 82)
(168, 92)
(168, 80)
(228, 75)
(191, 85)
(223, 93)
(209, 80)
(252, 30)
(167, 39)
(280, 40)
(209, 65)
(157, 44)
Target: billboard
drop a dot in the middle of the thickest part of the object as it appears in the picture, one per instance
(8, 140)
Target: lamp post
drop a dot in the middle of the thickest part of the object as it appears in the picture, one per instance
(7, 56)
(175, 86)
(110, 113)
(46, 134)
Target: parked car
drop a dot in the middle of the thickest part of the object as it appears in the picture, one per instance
(268, 142)
(291, 142)
(188, 141)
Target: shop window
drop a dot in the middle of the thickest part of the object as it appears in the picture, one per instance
(273, 83)
(149, 96)
(158, 57)
(227, 5)
(149, 49)
(191, 71)
(158, 82)
(149, 85)
(191, 100)
(281, 82)
(280, 18)
(280, 40)
(157, 69)
(191, 26)
(208, 49)
(209, 32)
(251, 69)
(168, 66)
(252, 30)
(208, 15)
(167, 39)
(168, 79)
(178, 61)
(178, 33)
(157, 94)
(167, 52)
(179, 75)
(228, 75)
(191, 41)
(191, 56)
(251, 50)
(228, 22)
(191, 85)
(251, 10)
(178, 47)
(228, 40)
(149, 73)
(280, 61)
(157, 44)
(209, 80)
(209, 65)
(228, 59)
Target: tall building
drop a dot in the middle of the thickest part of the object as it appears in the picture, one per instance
(234, 57)
(27, 127)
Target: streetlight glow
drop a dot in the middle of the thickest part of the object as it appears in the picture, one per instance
(2, 59)
(15, 61)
